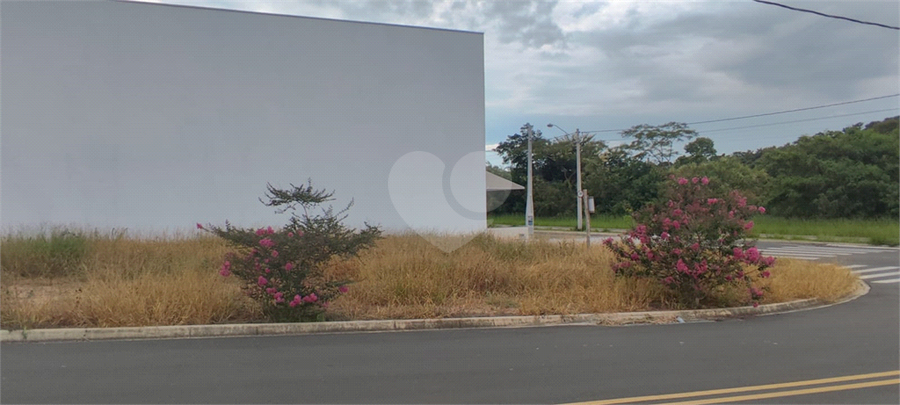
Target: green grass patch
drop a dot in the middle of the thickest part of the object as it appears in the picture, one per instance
(598, 222)
(871, 231)
(51, 254)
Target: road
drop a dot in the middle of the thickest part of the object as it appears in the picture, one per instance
(560, 364)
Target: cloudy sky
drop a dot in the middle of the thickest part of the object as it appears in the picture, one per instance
(611, 65)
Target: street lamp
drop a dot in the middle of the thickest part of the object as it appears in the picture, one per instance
(529, 199)
(578, 190)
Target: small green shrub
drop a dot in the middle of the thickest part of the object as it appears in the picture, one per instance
(61, 253)
(282, 269)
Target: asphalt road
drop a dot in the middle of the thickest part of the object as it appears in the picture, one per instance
(558, 364)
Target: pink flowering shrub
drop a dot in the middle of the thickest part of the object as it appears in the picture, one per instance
(694, 243)
(281, 269)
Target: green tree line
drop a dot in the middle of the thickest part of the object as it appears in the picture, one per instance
(852, 173)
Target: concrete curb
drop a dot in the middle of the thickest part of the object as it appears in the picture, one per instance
(268, 329)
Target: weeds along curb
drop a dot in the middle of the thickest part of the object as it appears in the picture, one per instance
(269, 329)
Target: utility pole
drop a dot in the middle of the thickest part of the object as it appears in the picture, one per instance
(578, 174)
(578, 192)
(529, 199)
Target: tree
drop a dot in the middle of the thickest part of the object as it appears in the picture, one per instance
(699, 150)
(622, 183)
(655, 144)
(555, 171)
(728, 174)
(837, 174)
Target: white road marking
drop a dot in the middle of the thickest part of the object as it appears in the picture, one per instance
(893, 281)
(876, 269)
(880, 275)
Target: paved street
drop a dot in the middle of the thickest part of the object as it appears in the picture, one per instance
(559, 364)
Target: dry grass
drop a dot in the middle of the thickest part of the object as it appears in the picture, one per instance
(407, 277)
(120, 281)
(126, 282)
(794, 279)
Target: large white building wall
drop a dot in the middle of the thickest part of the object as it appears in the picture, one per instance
(153, 117)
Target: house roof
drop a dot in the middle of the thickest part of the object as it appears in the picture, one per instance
(497, 183)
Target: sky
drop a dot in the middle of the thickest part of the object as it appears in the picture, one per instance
(608, 66)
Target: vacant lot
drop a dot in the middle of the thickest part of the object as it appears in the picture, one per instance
(85, 279)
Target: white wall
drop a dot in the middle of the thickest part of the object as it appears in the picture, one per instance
(154, 117)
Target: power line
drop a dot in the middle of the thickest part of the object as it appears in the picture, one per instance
(803, 120)
(795, 110)
(764, 114)
(827, 15)
(762, 125)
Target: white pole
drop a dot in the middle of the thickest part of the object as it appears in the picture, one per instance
(578, 175)
(529, 202)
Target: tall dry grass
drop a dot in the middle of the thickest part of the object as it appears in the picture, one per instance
(407, 277)
(794, 279)
(123, 281)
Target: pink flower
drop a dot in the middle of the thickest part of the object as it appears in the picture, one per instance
(311, 298)
(712, 201)
(742, 202)
(279, 297)
(634, 256)
(268, 270)
(755, 304)
(270, 231)
(753, 254)
(608, 241)
(651, 256)
(676, 252)
(762, 210)
(664, 235)
(705, 180)
(293, 304)
(266, 243)
(695, 247)
(289, 266)
(199, 226)
(224, 272)
(271, 290)
(765, 274)
(274, 253)
(695, 180)
(769, 261)
(260, 232)
(343, 289)
(681, 267)
(682, 181)
(738, 253)
(748, 225)
(262, 281)
(290, 234)
(668, 280)
(676, 224)
(677, 212)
